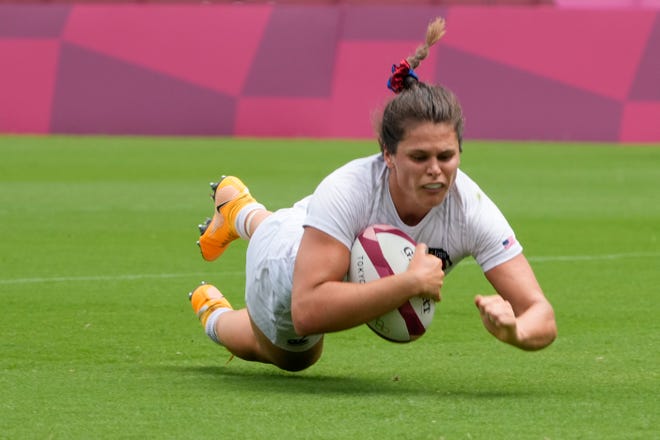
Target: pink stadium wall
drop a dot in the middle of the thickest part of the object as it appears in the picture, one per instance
(541, 73)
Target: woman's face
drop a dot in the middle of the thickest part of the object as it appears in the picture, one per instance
(423, 169)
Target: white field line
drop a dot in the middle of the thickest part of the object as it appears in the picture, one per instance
(108, 277)
(541, 259)
(594, 257)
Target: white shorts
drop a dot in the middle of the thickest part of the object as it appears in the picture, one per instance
(270, 257)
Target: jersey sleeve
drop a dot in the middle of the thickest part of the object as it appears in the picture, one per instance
(337, 208)
(491, 238)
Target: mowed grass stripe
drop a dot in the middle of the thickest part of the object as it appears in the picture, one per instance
(131, 277)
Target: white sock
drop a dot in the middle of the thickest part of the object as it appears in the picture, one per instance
(209, 328)
(244, 217)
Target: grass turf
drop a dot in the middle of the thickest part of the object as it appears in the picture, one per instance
(98, 340)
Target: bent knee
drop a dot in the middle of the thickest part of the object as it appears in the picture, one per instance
(285, 359)
(298, 361)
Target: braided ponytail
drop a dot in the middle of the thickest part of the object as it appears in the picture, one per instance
(403, 75)
(434, 32)
(417, 101)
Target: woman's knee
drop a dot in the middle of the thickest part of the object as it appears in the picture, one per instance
(298, 361)
(284, 359)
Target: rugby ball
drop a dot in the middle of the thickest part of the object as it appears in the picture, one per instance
(380, 251)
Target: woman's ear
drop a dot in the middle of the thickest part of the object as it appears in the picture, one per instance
(389, 162)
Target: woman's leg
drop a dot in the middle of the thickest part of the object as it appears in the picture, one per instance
(236, 214)
(287, 360)
(235, 330)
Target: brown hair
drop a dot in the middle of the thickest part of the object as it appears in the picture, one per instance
(419, 102)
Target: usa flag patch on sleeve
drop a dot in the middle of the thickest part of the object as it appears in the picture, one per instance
(509, 242)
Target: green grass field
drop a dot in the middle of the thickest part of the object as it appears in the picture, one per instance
(98, 339)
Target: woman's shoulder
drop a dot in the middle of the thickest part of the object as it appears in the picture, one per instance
(361, 172)
(464, 181)
(465, 188)
(362, 164)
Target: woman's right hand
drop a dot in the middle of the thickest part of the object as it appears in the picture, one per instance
(427, 269)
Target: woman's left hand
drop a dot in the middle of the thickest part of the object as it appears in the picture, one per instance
(498, 317)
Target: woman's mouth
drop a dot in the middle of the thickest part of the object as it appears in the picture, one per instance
(434, 186)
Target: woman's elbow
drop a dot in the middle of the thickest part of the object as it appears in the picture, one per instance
(547, 335)
(302, 316)
(551, 324)
(552, 329)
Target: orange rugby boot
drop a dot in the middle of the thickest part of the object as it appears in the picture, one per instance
(229, 196)
(205, 299)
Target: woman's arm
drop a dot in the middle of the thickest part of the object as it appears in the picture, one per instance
(520, 315)
(322, 302)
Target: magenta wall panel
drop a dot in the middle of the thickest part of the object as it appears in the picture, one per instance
(546, 73)
(212, 47)
(96, 93)
(592, 50)
(297, 55)
(27, 84)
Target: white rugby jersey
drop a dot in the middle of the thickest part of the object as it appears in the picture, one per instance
(466, 223)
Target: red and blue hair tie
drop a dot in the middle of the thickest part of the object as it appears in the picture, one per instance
(399, 73)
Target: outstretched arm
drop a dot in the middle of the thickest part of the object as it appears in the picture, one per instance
(520, 315)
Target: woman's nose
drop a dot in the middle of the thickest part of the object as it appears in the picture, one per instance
(434, 168)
